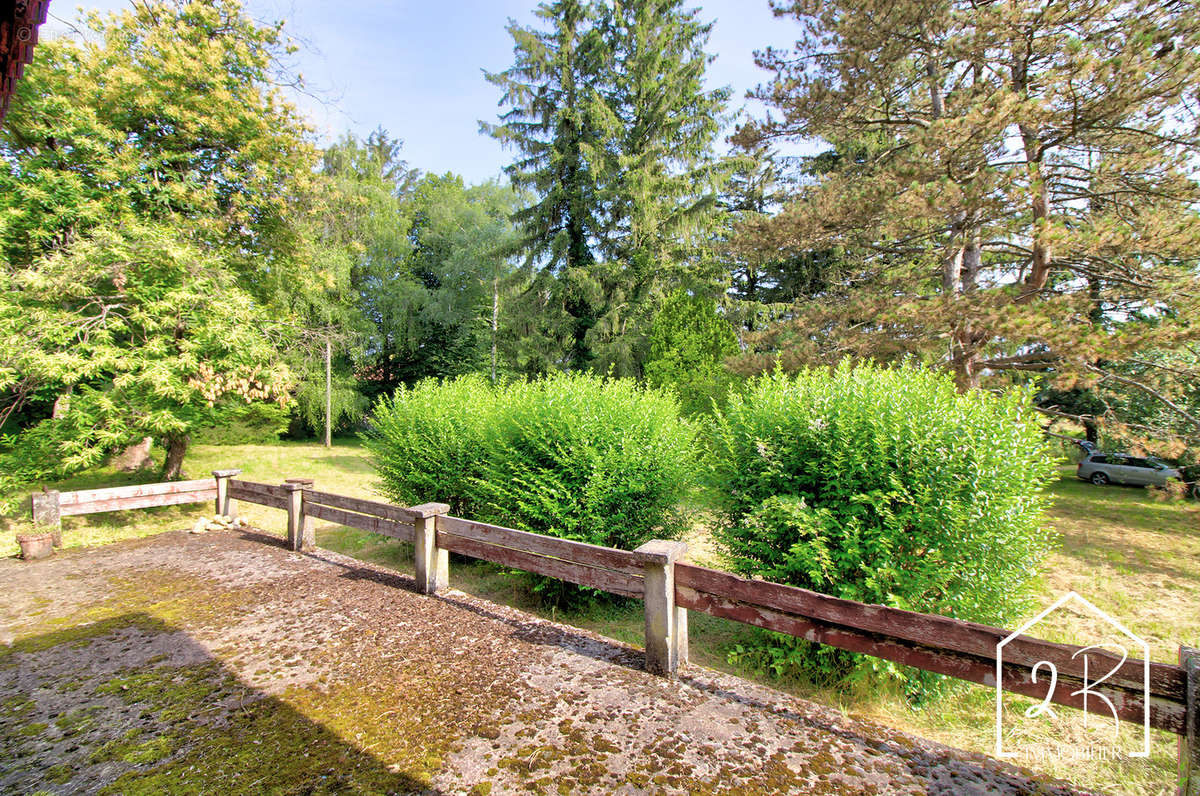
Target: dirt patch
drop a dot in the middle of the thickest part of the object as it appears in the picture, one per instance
(222, 663)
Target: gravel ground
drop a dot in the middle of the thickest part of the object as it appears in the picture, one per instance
(222, 663)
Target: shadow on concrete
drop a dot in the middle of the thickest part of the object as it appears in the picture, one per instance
(533, 631)
(133, 704)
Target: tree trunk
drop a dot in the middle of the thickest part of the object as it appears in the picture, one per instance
(960, 272)
(972, 259)
(176, 446)
(328, 392)
(1039, 270)
(62, 405)
(965, 361)
(1039, 206)
(135, 457)
(952, 261)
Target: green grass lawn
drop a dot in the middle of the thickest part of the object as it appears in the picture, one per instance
(1134, 555)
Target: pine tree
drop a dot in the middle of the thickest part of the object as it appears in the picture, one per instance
(556, 122)
(1022, 193)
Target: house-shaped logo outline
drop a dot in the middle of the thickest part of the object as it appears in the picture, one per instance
(1059, 603)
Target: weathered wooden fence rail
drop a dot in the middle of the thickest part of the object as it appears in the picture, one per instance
(670, 587)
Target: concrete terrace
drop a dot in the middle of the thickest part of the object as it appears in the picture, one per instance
(221, 662)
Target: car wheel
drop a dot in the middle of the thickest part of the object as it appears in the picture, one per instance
(1099, 479)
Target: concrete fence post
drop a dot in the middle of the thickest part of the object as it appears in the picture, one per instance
(666, 624)
(1189, 740)
(47, 515)
(224, 504)
(432, 563)
(300, 535)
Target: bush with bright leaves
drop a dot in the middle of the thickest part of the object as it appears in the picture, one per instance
(428, 442)
(689, 342)
(575, 456)
(882, 485)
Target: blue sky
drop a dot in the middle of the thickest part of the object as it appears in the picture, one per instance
(414, 68)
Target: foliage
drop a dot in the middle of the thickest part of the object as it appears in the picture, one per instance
(429, 262)
(154, 335)
(662, 172)
(607, 108)
(581, 457)
(574, 456)
(348, 404)
(883, 486)
(689, 343)
(428, 442)
(190, 132)
(1013, 188)
(766, 278)
(459, 266)
(152, 208)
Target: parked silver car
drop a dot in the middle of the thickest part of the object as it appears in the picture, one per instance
(1120, 468)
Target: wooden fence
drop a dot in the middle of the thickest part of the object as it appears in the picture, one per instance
(1166, 696)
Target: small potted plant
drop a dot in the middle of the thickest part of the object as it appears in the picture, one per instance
(36, 543)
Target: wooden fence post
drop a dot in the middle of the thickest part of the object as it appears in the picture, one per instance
(300, 533)
(46, 514)
(224, 504)
(666, 624)
(432, 563)
(1189, 739)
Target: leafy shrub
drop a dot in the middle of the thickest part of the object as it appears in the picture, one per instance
(689, 342)
(429, 442)
(574, 456)
(884, 486)
(580, 457)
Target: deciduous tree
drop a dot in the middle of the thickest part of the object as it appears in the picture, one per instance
(151, 224)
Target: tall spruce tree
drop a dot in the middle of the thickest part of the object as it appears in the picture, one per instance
(664, 176)
(615, 133)
(557, 122)
(665, 173)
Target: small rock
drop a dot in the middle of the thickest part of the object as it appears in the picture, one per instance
(200, 527)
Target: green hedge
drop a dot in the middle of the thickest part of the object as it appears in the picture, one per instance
(428, 442)
(689, 342)
(884, 486)
(573, 455)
